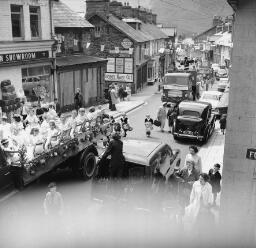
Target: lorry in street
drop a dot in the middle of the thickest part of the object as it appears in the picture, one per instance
(74, 151)
(177, 86)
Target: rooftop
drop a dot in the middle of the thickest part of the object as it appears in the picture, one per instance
(77, 60)
(63, 16)
(170, 32)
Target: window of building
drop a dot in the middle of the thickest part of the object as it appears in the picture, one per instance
(34, 21)
(17, 21)
(97, 31)
(33, 77)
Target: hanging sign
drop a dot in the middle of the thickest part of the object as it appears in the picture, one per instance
(126, 43)
(119, 77)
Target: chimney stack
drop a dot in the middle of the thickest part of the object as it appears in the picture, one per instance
(97, 6)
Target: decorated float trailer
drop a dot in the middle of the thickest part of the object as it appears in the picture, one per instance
(72, 149)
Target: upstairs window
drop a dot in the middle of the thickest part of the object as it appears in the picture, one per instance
(17, 21)
(97, 31)
(34, 21)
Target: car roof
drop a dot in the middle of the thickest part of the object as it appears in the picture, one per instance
(140, 151)
(200, 105)
(214, 93)
(179, 74)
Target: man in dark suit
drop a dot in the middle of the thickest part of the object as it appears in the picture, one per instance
(115, 149)
(215, 178)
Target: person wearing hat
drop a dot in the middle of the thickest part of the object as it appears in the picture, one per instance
(92, 114)
(161, 116)
(53, 202)
(149, 125)
(215, 178)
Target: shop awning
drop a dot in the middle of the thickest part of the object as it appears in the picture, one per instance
(77, 60)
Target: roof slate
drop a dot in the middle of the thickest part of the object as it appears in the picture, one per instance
(153, 31)
(63, 16)
(136, 35)
(77, 60)
(169, 31)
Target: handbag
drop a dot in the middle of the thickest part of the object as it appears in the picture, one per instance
(157, 123)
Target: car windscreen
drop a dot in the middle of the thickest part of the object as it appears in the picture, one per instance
(190, 113)
(162, 161)
(176, 80)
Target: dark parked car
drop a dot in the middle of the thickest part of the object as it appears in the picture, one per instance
(195, 120)
(141, 159)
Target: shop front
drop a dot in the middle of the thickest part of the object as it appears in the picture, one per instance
(120, 69)
(29, 77)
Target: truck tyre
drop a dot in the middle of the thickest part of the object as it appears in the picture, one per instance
(87, 165)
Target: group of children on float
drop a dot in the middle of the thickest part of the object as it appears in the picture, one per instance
(38, 131)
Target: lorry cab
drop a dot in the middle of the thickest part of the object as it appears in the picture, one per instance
(177, 87)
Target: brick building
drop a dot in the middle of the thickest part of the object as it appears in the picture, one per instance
(129, 39)
(26, 56)
(74, 68)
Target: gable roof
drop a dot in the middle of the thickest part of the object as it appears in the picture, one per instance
(63, 16)
(153, 31)
(135, 35)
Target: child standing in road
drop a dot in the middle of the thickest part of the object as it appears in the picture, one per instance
(125, 124)
(149, 125)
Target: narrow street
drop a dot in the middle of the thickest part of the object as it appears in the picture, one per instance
(25, 208)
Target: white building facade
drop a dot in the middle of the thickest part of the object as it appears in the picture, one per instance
(26, 57)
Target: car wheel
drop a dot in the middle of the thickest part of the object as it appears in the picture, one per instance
(88, 166)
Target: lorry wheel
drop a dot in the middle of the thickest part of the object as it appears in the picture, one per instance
(88, 165)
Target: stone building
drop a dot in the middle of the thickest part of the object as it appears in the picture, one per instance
(238, 198)
(74, 68)
(130, 40)
(26, 56)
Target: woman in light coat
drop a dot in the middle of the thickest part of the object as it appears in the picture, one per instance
(161, 116)
(197, 213)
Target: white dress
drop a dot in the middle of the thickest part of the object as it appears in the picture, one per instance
(198, 191)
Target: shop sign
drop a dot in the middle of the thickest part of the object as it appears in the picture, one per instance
(251, 154)
(128, 65)
(111, 65)
(119, 77)
(126, 43)
(19, 57)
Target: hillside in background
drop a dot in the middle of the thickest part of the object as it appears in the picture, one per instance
(189, 16)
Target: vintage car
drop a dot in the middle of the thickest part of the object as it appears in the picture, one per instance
(221, 73)
(222, 107)
(212, 97)
(141, 160)
(195, 120)
(222, 84)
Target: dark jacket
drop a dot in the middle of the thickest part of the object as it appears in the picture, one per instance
(78, 100)
(171, 115)
(115, 149)
(215, 179)
(223, 123)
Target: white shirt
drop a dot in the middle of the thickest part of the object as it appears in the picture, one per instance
(197, 160)
(32, 120)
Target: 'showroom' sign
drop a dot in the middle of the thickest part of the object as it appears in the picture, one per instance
(19, 57)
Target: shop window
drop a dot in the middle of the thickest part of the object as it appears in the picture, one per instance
(17, 21)
(33, 77)
(34, 21)
(97, 31)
